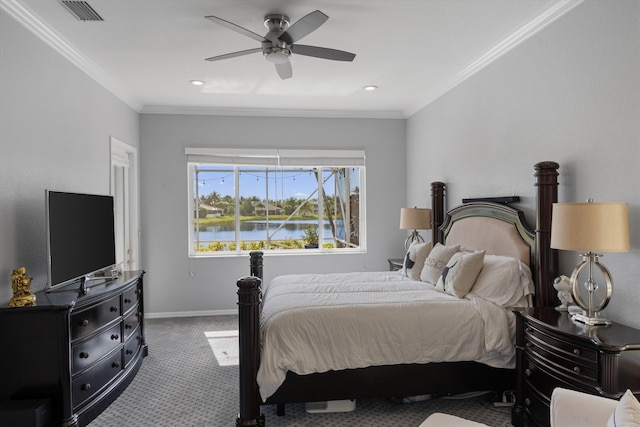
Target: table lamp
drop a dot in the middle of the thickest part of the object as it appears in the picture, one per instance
(414, 219)
(590, 228)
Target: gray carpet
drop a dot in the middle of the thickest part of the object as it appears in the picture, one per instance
(182, 384)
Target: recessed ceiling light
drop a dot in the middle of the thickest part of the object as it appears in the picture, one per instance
(197, 82)
(370, 88)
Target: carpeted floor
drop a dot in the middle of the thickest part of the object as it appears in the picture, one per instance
(182, 383)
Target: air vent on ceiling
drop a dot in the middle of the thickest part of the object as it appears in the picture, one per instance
(81, 10)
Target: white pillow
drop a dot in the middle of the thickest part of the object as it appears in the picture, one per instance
(503, 280)
(627, 412)
(460, 273)
(414, 260)
(436, 262)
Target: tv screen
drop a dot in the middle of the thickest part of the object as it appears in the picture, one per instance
(80, 235)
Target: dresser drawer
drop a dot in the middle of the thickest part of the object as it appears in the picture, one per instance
(130, 323)
(94, 380)
(132, 346)
(130, 299)
(86, 321)
(87, 352)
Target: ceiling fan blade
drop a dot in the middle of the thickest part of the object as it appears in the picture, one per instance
(236, 28)
(303, 27)
(284, 70)
(322, 52)
(234, 54)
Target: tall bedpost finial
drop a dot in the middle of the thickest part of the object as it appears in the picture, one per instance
(255, 263)
(437, 210)
(546, 258)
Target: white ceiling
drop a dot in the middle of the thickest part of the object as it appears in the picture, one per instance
(147, 51)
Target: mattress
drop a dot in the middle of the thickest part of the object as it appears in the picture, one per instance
(320, 322)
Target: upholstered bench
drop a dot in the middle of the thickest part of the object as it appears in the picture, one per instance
(445, 420)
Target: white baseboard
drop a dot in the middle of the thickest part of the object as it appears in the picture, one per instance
(189, 314)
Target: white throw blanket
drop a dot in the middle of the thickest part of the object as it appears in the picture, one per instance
(321, 322)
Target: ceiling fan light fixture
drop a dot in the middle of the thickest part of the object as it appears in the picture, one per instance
(277, 55)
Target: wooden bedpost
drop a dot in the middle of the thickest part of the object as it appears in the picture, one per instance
(546, 258)
(437, 211)
(249, 300)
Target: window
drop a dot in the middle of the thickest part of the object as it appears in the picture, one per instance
(275, 200)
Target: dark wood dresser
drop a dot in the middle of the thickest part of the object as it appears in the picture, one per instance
(77, 351)
(554, 351)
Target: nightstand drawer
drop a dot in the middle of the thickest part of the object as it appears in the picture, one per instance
(537, 407)
(562, 362)
(543, 379)
(569, 350)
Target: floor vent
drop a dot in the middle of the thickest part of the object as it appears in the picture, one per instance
(81, 10)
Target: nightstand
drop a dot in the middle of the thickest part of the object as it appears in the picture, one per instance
(554, 351)
(395, 264)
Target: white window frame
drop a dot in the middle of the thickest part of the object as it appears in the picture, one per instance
(234, 157)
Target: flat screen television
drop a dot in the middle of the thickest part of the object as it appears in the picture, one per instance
(80, 237)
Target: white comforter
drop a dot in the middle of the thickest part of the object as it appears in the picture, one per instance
(321, 322)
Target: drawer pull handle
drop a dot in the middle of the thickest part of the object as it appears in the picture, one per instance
(577, 351)
(84, 355)
(113, 309)
(129, 352)
(137, 291)
(84, 322)
(527, 402)
(115, 337)
(529, 345)
(115, 365)
(528, 372)
(85, 387)
(128, 326)
(577, 369)
(529, 330)
(127, 300)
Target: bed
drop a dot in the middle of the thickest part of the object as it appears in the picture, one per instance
(406, 368)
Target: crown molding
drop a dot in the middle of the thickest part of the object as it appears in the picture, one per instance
(255, 112)
(36, 25)
(509, 43)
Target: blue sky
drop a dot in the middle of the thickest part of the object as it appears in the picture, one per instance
(282, 185)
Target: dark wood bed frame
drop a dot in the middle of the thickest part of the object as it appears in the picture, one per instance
(443, 378)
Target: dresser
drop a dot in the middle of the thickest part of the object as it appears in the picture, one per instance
(76, 351)
(554, 351)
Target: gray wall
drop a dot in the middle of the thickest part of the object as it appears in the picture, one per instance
(55, 124)
(570, 94)
(176, 283)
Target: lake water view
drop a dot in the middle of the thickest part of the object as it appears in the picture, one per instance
(257, 230)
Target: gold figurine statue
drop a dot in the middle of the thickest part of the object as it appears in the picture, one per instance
(20, 282)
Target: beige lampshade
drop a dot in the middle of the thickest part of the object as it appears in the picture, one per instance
(415, 219)
(595, 227)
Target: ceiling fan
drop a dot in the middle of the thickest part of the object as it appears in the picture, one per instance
(281, 41)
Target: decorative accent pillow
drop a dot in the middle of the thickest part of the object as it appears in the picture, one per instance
(436, 262)
(414, 260)
(503, 280)
(627, 412)
(460, 273)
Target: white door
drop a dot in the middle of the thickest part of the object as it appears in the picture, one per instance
(124, 189)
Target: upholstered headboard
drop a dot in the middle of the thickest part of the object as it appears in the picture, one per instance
(498, 229)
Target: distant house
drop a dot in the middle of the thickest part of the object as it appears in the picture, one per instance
(262, 209)
(212, 211)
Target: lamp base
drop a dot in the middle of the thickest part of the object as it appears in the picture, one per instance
(590, 321)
